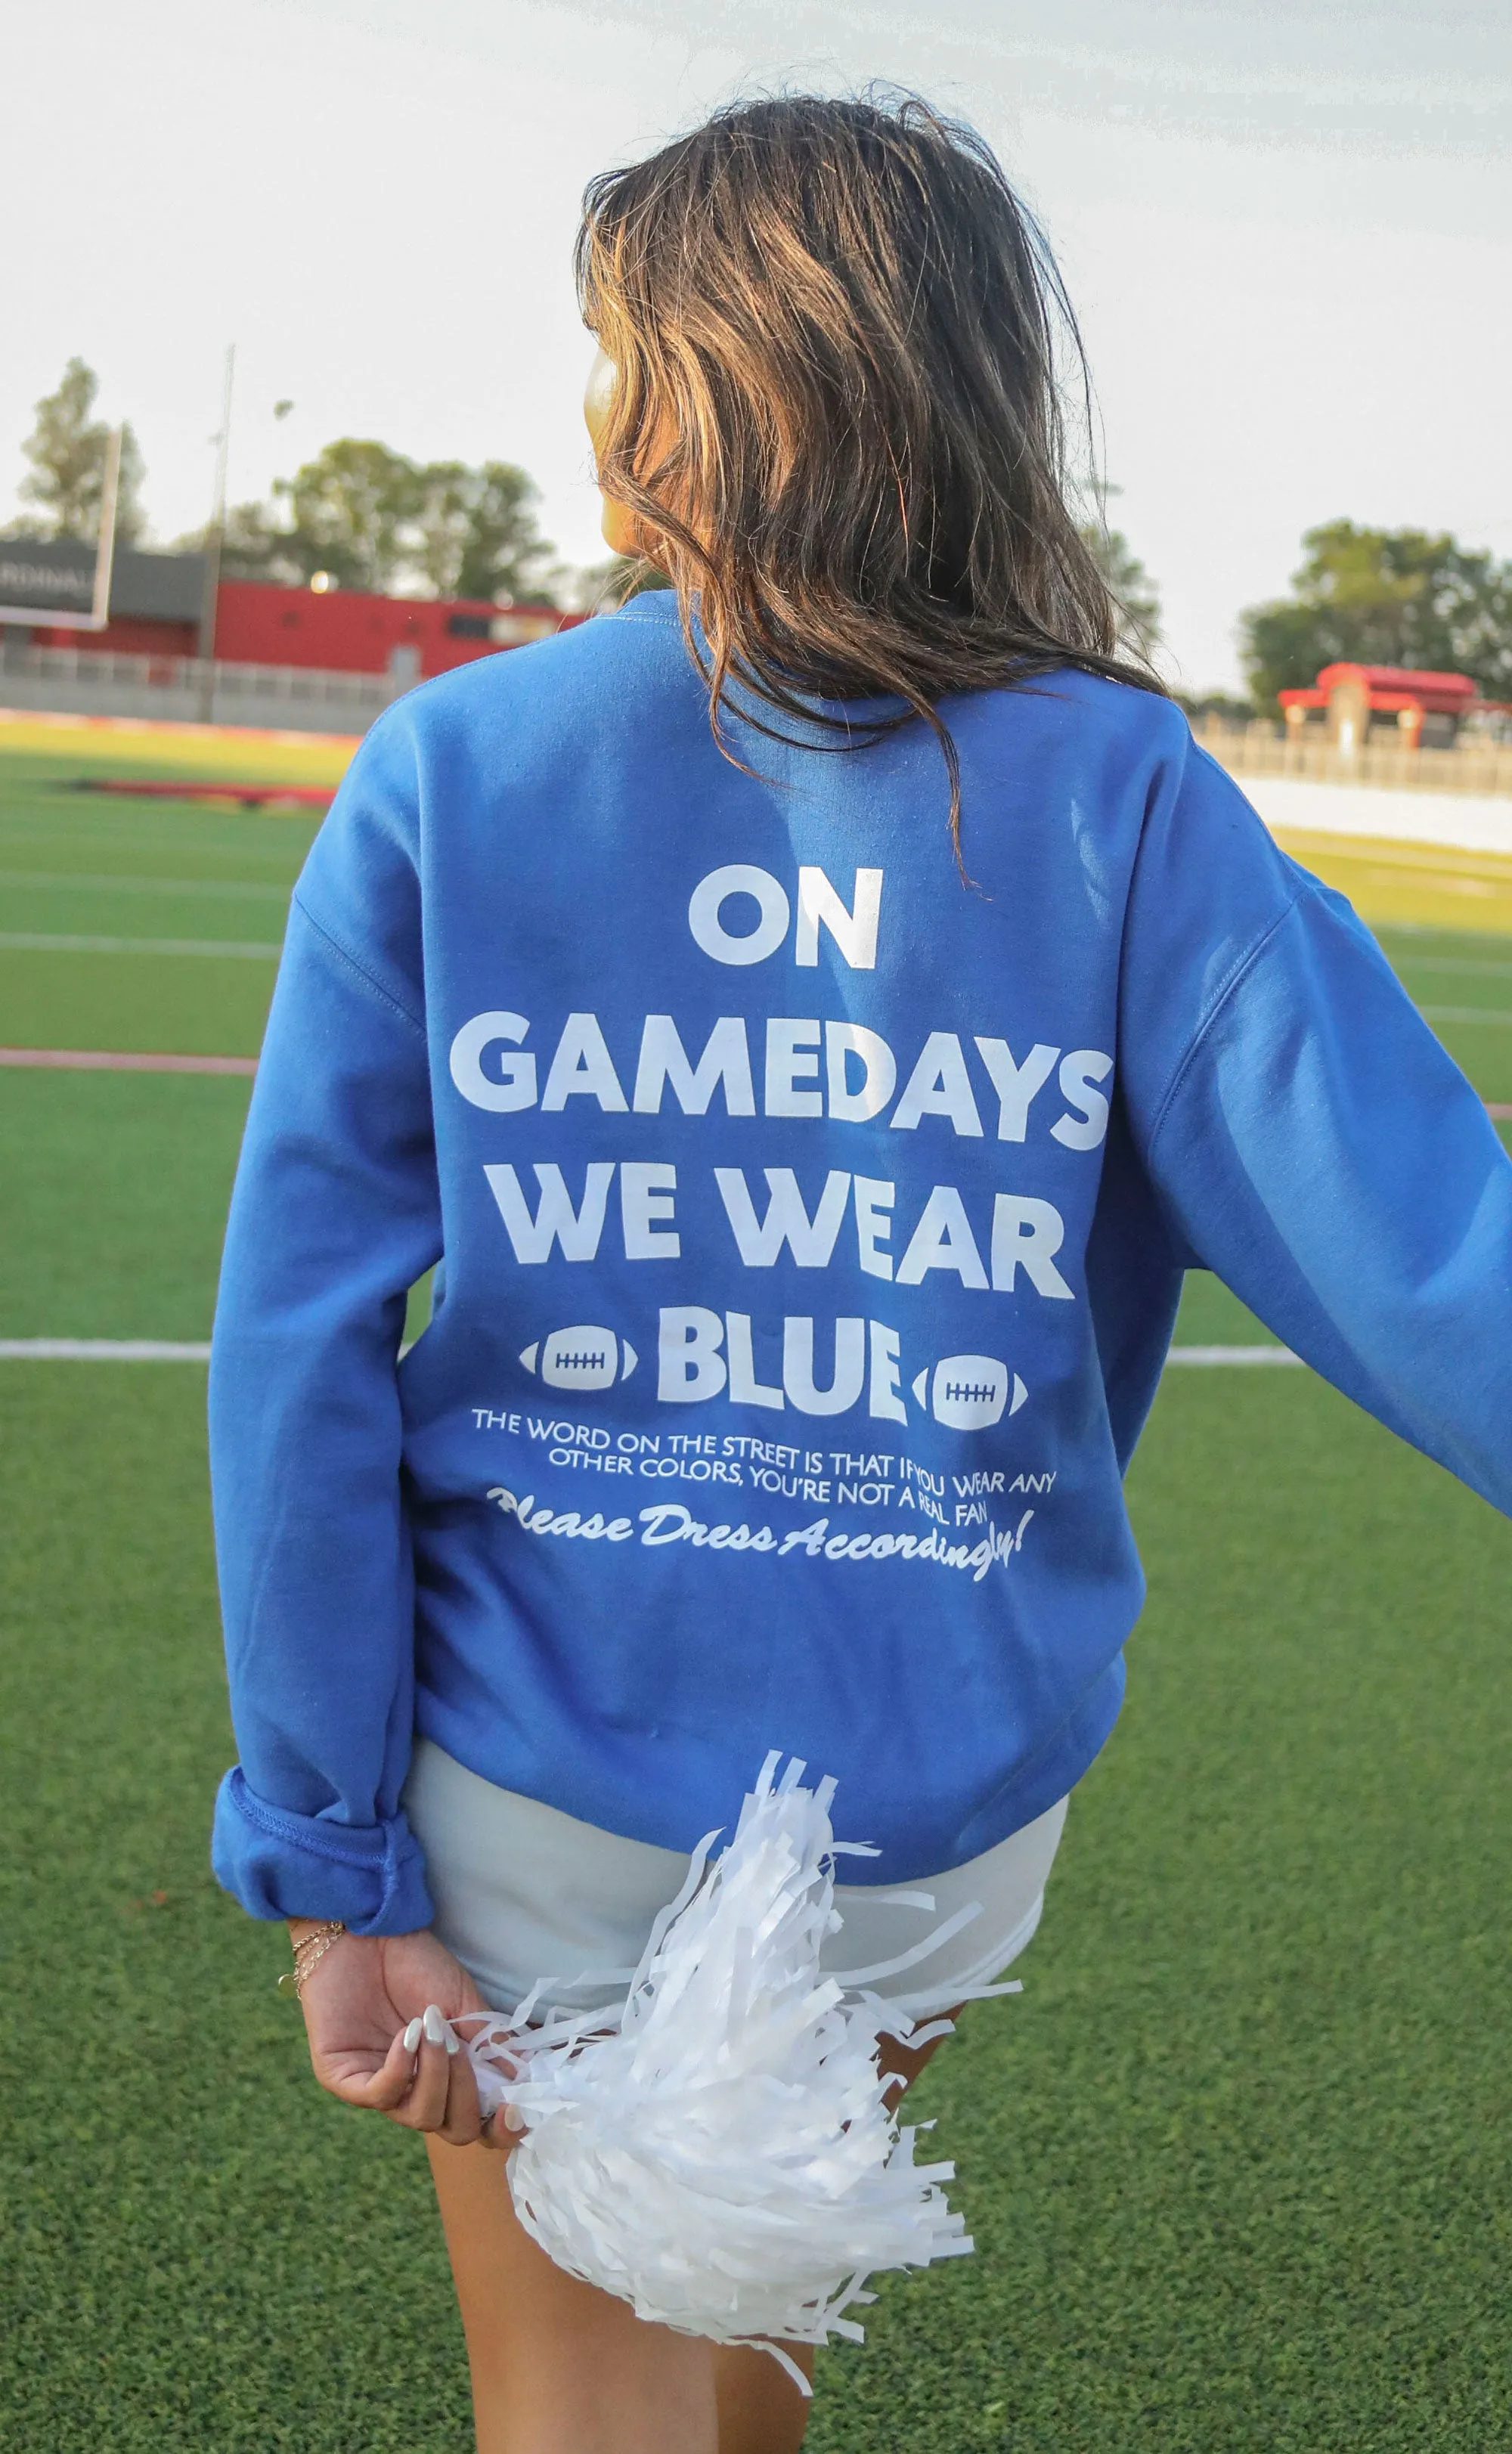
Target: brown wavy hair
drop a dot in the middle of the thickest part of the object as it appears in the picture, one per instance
(839, 419)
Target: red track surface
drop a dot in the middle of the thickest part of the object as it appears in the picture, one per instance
(251, 797)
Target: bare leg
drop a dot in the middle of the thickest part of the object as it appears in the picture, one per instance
(760, 2409)
(904, 2062)
(560, 2369)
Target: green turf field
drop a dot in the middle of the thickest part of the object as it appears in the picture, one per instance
(1237, 2160)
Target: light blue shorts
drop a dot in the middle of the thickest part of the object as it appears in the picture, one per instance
(524, 1893)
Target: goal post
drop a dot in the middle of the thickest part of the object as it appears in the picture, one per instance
(70, 596)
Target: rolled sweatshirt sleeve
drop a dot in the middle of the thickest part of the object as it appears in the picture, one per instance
(1314, 1144)
(334, 1215)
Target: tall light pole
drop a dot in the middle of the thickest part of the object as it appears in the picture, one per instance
(214, 539)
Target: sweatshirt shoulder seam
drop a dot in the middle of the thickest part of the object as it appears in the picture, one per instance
(345, 954)
(1243, 965)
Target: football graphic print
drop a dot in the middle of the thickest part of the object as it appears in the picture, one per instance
(581, 1357)
(969, 1392)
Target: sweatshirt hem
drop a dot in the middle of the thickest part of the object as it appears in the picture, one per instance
(909, 1854)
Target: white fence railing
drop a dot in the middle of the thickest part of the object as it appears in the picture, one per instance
(105, 670)
(80, 681)
(1259, 750)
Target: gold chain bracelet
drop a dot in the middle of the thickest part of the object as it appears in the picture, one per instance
(308, 1952)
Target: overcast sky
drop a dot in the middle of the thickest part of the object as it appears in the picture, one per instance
(1287, 229)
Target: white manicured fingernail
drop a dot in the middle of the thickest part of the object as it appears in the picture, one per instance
(435, 2025)
(412, 2036)
(453, 2045)
(513, 2118)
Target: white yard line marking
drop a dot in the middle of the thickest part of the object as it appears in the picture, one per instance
(1464, 1014)
(22, 942)
(241, 889)
(110, 1060)
(104, 1350)
(159, 1349)
(1231, 1355)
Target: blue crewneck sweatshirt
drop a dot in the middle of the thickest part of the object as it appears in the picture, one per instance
(812, 1227)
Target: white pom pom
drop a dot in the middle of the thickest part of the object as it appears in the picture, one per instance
(719, 2154)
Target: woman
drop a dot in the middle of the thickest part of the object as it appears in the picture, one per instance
(813, 1017)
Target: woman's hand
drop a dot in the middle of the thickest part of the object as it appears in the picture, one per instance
(364, 2004)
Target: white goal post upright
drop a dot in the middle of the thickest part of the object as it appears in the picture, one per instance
(45, 614)
(105, 548)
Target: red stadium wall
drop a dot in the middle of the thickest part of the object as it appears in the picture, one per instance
(340, 631)
(122, 638)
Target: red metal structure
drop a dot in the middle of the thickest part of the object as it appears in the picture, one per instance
(1350, 699)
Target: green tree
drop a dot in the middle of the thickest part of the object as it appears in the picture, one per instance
(254, 546)
(375, 519)
(347, 511)
(617, 581)
(67, 448)
(473, 532)
(1133, 592)
(1382, 596)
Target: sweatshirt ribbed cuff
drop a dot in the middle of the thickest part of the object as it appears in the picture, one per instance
(280, 1864)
